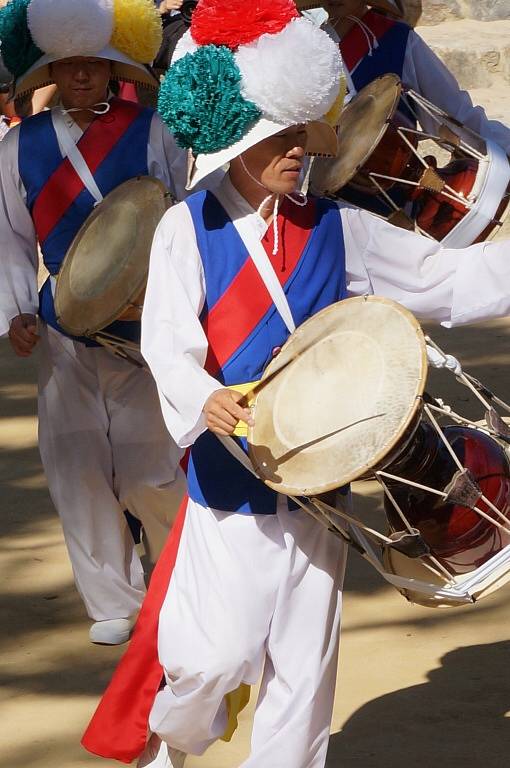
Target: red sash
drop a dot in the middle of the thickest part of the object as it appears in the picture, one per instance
(355, 45)
(118, 728)
(235, 316)
(64, 185)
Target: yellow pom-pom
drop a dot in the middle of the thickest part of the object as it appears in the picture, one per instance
(333, 116)
(137, 30)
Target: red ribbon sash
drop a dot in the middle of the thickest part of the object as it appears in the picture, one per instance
(355, 45)
(118, 728)
(64, 185)
(243, 305)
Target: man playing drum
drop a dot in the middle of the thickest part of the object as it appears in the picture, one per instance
(374, 44)
(103, 442)
(256, 588)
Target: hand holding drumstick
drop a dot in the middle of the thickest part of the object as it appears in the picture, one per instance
(223, 412)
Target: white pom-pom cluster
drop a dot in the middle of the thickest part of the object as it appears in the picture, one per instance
(185, 45)
(293, 76)
(84, 31)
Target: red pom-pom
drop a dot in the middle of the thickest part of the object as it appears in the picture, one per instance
(238, 22)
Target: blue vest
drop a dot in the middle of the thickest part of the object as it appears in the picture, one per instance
(39, 157)
(388, 57)
(215, 478)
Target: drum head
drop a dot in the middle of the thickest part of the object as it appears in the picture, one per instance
(339, 396)
(362, 126)
(106, 266)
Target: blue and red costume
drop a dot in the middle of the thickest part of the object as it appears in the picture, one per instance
(115, 149)
(243, 329)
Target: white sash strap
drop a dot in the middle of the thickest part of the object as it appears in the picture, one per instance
(265, 270)
(74, 155)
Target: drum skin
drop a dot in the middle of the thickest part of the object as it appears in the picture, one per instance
(104, 273)
(367, 141)
(458, 536)
(339, 397)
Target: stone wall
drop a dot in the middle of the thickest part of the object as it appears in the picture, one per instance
(436, 11)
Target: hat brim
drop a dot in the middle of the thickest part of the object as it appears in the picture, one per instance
(393, 7)
(123, 68)
(321, 140)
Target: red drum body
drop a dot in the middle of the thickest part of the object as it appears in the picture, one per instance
(439, 178)
(460, 539)
(389, 160)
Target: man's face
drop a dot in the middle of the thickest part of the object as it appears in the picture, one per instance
(339, 9)
(82, 81)
(278, 160)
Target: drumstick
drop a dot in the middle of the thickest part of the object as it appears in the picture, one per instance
(269, 378)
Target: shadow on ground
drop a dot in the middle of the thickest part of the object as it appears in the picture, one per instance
(457, 719)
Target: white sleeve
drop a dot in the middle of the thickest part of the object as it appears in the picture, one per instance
(18, 245)
(451, 286)
(167, 161)
(173, 341)
(425, 73)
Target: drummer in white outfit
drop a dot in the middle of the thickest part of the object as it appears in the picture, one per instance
(102, 439)
(375, 45)
(256, 588)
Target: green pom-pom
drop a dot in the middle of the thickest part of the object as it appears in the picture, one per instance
(200, 101)
(18, 49)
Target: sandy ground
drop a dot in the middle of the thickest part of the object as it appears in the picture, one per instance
(416, 686)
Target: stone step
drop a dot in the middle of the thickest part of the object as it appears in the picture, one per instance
(478, 53)
(437, 11)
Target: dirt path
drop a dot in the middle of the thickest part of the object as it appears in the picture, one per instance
(416, 687)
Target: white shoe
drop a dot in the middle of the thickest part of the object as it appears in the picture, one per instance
(111, 631)
(157, 754)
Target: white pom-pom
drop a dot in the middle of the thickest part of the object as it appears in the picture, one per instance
(71, 27)
(293, 76)
(185, 45)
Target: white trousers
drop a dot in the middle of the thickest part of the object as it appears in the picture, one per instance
(105, 449)
(252, 595)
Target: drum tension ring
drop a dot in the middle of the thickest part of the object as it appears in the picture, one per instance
(431, 180)
(408, 543)
(463, 489)
(400, 219)
(496, 424)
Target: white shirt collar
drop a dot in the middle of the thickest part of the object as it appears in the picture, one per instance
(237, 206)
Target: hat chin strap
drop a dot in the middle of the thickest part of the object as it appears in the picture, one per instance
(101, 108)
(298, 198)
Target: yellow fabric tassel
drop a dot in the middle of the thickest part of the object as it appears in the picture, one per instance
(241, 429)
(236, 702)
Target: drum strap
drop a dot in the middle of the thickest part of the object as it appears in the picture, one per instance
(263, 265)
(73, 154)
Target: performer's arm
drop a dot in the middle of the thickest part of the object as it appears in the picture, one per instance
(425, 73)
(167, 161)
(451, 286)
(18, 245)
(173, 340)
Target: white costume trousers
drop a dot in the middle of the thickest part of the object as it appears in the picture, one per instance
(105, 449)
(252, 595)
